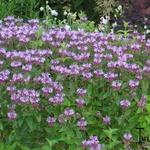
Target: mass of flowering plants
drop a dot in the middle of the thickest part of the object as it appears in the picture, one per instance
(63, 89)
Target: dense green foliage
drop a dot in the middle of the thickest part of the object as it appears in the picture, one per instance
(98, 85)
(31, 8)
(69, 80)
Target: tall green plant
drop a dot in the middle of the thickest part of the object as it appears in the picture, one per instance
(6, 8)
(21, 8)
(105, 7)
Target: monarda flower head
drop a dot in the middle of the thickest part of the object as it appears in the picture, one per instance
(116, 85)
(80, 102)
(127, 138)
(92, 143)
(16, 64)
(82, 124)
(51, 121)
(133, 84)
(81, 92)
(69, 112)
(106, 120)
(142, 102)
(47, 90)
(61, 119)
(12, 115)
(125, 103)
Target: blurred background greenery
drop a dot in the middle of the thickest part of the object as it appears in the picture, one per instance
(31, 8)
(93, 9)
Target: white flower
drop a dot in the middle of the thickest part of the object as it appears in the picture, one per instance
(108, 18)
(64, 21)
(145, 27)
(135, 26)
(74, 16)
(41, 8)
(120, 7)
(101, 27)
(114, 24)
(65, 13)
(54, 13)
(112, 31)
(104, 21)
(48, 7)
(147, 31)
(69, 14)
(44, 21)
(79, 29)
(96, 30)
(46, 2)
(67, 27)
(145, 18)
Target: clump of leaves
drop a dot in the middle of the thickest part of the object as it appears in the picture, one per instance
(105, 7)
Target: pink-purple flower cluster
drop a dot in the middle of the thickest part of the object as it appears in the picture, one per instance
(25, 96)
(23, 33)
(92, 143)
(57, 76)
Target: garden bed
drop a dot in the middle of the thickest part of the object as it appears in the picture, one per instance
(71, 89)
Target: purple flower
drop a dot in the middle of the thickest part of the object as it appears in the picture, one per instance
(125, 103)
(51, 121)
(127, 138)
(87, 75)
(54, 62)
(80, 102)
(61, 119)
(1, 62)
(16, 64)
(11, 89)
(68, 112)
(110, 76)
(25, 96)
(17, 77)
(82, 124)
(81, 92)
(98, 73)
(135, 47)
(106, 120)
(57, 99)
(47, 90)
(116, 85)
(27, 67)
(4, 75)
(142, 102)
(12, 115)
(92, 143)
(133, 84)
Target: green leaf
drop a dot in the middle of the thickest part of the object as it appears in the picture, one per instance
(77, 3)
(1, 126)
(30, 123)
(38, 117)
(45, 148)
(22, 147)
(113, 144)
(90, 90)
(110, 132)
(11, 147)
(67, 102)
(148, 107)
(20, 122)
(51, 143)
